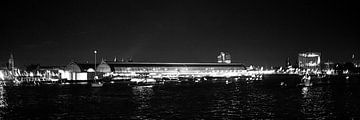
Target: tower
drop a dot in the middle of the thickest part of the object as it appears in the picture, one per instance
(224, 57)
(11, 63)
(287, 63)
(115, 59)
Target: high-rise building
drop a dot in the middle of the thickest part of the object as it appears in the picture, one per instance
(309, 60)
(224, 57)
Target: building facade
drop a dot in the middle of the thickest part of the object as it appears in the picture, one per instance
(224, 57)
(170, 69)
(79, 71)
(309, 60)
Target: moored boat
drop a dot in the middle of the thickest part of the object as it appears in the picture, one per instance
(97, 84)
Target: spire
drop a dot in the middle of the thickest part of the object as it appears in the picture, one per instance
(11, 62)
(288, 64)
(103, 61)
(115, 59)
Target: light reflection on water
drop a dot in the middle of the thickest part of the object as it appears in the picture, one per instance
(142, 97)
(3, 103)
(2, 98)
(235, 100)
(316, 103)
(245, 102)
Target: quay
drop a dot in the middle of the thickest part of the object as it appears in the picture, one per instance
(269, 80)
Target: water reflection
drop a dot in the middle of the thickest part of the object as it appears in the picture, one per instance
(316, 103)
(3, 103)
(142, 97)
(234, 100)
(239, 102)
(305, 92)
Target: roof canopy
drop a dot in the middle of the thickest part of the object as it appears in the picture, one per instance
(110, 66)
(79, 67)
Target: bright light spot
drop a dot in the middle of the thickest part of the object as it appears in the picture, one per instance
(310, 55)
(81, 76)
(2, 75)
(305, 90)
(90, 70)
(328, 72)
(65, 75)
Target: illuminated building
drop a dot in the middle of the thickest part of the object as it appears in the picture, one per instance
(177, 69)
(224, 58)
(329, 65)
(329, 68)
(309, 60)
(79, 71)
(10, 71)
(51, 72)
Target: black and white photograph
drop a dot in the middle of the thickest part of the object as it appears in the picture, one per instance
(179, 60)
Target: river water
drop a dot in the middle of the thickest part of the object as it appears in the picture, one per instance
(235, 100)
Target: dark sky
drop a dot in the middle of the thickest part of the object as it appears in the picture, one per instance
(253, 32)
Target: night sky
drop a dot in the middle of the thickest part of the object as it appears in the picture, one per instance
(253, 32)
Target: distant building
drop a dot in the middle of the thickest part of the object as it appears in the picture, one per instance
(329, 65)
(309, 60)
(11, 63)
(224, 57)
(110, 68)
(288, 63)
(10, 71)
(79, 71)
(52, 72)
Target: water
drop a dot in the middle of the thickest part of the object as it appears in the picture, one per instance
(235, 100)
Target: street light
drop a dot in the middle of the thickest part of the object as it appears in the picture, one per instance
(95, 64)
(95, 84)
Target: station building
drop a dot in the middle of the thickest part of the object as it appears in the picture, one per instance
(224, 68)
(111, 68)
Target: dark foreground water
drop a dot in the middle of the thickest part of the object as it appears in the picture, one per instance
(175, 101)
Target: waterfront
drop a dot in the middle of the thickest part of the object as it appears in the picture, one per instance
(179, 101)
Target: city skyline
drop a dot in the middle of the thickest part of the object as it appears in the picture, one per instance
(263, 33)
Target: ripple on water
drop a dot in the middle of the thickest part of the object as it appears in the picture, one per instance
(191, 101)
